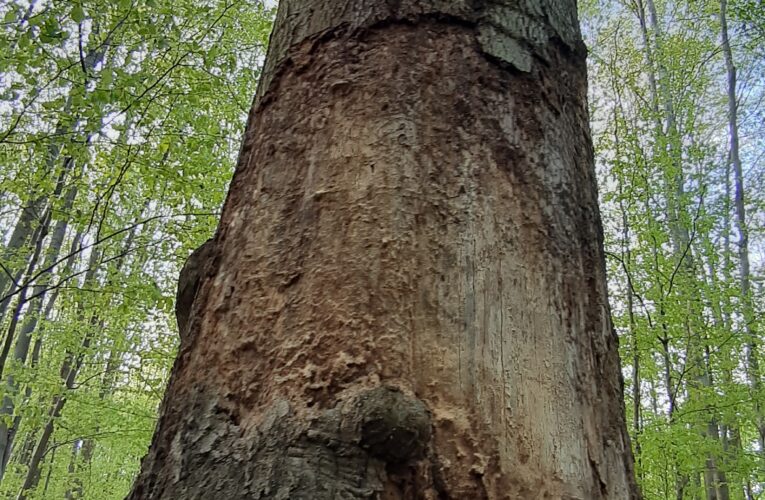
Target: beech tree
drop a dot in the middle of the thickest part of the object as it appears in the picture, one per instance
(406, 294)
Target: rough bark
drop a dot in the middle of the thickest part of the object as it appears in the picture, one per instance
(407, 292)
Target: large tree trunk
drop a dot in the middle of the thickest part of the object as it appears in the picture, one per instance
(407, 293)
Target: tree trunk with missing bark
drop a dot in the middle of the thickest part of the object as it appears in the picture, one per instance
(406, 296)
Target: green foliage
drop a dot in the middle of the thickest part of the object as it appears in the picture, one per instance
(660, 123)
(136, 109)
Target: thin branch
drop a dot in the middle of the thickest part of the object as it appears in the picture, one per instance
(99, 242)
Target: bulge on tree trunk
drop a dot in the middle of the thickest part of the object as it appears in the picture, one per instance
(188, 284)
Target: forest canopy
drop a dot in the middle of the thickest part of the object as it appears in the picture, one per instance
(120, 125)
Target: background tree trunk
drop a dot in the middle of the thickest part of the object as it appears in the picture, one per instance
(407, 297)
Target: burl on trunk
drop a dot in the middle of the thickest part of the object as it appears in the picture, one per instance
(407, 296)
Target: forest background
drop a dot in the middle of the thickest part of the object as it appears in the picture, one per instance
(120, 123)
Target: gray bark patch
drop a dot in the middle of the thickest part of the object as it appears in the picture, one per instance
(338, 453)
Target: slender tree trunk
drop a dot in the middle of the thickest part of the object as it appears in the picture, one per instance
(26, 450)
(37, 239)
(24, 340)
(407, 297)
(22, 232)
(21, 299)
(626, 256)
(34, 210)
(70, 368)
(753, 362)
(33, 474)
(69, 371)
(74, 491)
(636, 379)
(669, 141)
(84, 449)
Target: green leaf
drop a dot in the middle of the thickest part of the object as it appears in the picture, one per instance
(11, 16)
(78, 14)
